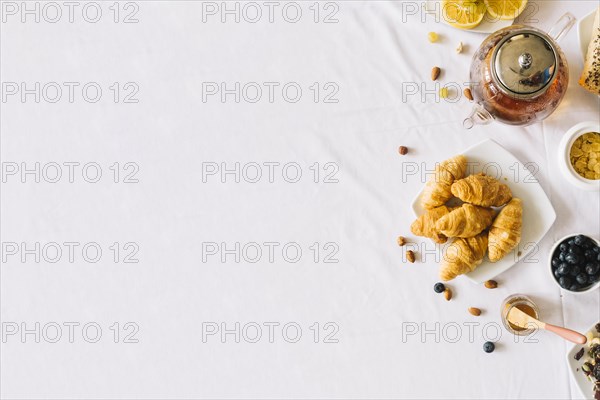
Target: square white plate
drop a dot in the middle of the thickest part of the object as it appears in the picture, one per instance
(538, 214)
(584, 385)
(488, 25)
(584, 31)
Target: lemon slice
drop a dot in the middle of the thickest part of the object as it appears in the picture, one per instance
(505, 9)
(463, 14)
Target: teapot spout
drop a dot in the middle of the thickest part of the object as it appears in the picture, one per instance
(562, 26)
(478, 116)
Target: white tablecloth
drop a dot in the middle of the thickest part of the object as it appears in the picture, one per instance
(172, 297)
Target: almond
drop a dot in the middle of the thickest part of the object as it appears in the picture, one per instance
(410, 256)
(401, 241)
(475, 311)
(468, 94)
(435, 73)
(448, 294)
(491, 284)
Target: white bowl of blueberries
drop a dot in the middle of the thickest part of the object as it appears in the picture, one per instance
(575, 263)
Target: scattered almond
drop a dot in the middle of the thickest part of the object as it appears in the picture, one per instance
(435, 73)
(468, 94)
(491, 284)
(475, 311)
(401, 241)
(403, 150)
(448, 294)
(410, 256)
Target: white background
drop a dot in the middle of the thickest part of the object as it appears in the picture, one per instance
(371, 53)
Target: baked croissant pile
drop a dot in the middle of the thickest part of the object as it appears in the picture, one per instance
(476, 229)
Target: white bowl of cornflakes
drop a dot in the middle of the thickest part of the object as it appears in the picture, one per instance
(579, 156)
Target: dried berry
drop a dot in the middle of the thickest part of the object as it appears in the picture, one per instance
(401, 241)
(475, 311)
(491, 284)
(403, 150)
(435, 73)
(410, 256)
(468, 94)
(448, 294)
(579, 354)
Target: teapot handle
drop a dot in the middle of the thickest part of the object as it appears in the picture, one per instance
(562, 26)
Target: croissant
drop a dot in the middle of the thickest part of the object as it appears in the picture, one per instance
(437, 190)
(425, 224)
(481, 190)
(505, 233)
(463, 256)
(466, 221)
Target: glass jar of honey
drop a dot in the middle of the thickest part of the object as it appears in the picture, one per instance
(524, 304)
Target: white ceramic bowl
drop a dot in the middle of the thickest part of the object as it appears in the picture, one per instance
(564, 160)
(591, 288)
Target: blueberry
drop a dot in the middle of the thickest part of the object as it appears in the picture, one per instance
(564, 282)
(563, 247)
(598, 258)
(575, 250)
(574, 288)
(556, 274)
(572, 258)
(562, 255)
(439, 287)
(571, 242)
(588, 244)
(579, 240)
(555, 262)
(592, 268)
(489, 347)
(595, 278)
(582, 279)
(563, 269)
(596, 249)
(590, 255)
(575, 270)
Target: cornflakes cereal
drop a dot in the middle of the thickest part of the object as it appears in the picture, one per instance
(585, 155)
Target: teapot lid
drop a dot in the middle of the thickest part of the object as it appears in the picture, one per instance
(525, 63)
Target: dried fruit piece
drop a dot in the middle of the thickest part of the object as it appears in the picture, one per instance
(433, 37)
(410, 256)
(435, 73)
(448, 294)
(475, 311)
(401, 241)
(459, 48)
(579, 354)
(468, 94)
(444, 93)
(403, 150)
(491, 284)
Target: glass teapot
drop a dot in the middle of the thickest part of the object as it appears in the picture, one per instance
(519, 75)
